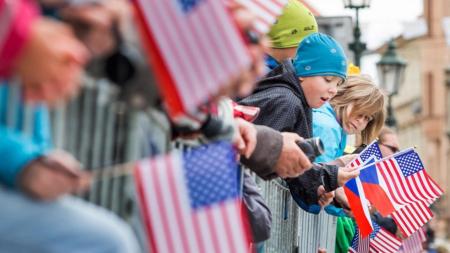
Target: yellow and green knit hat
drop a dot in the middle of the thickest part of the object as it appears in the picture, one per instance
(295, 23)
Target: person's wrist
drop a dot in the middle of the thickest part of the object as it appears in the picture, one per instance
(27, 174)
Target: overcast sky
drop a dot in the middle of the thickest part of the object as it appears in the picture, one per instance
(383, 20)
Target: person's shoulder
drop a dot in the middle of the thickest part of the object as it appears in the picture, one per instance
(324, 109)
(278, 94)
(283, 92)
(323, 117)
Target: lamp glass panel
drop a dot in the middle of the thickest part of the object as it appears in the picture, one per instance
(388, 78)
(400, 69)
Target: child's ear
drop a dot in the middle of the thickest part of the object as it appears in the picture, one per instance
(301, 79)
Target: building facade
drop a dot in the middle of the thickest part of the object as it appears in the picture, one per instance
(422, 106)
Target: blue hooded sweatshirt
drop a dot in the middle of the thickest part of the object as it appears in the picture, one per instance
(327, 127)
(24, 133)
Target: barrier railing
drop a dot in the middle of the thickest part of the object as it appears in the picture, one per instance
(101, 131)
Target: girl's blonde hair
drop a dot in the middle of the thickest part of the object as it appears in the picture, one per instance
(366, 99)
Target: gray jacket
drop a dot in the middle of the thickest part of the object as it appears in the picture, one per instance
(260, 216)
(266, 154)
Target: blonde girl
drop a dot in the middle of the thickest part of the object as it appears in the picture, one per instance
(357, 108)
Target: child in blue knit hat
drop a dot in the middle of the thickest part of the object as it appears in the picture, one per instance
(286, 96)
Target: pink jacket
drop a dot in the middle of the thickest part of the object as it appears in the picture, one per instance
(16, 17)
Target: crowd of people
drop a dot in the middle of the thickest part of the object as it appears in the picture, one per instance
(299, 81)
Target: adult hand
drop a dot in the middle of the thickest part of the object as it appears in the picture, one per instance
(245, 137)
(325, 198)
(346, 159)
(51, 62)
(52, 176)
(292, 161)
(345, 174)
(341, 198)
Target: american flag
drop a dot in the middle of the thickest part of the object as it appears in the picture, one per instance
(266, 12)
(413, 244)
(379, 241)
(412, 217)
(410, 189)
(360, 244)
(194, 47)
(405, 179)
(190, 201)
(371, 150)
(383, 241)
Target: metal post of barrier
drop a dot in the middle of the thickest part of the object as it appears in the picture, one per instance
(120, 136)
(59, 124)
(108, 151)
(73, 116)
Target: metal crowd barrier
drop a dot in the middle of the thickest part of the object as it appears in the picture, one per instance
(294, 230)
(285, 212)
(100, 131)
(97, 129)
(316, 231)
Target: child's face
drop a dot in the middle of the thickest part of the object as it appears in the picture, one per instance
(355, 123)
(319, 89)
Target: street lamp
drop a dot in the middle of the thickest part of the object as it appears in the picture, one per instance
(391, 71)
(357, 46)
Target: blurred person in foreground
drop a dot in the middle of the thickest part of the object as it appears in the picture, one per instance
(35, 179)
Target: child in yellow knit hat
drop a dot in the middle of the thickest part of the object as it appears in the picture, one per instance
(295, 23)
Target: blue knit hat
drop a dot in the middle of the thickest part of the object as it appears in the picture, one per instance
(320, 55)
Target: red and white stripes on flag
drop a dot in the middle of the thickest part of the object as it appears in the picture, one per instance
(385, 242)
(266, 12)
(359, 244)
(404, 190)
(413, 244)
(412, 217)
(364, 244)
(195, 49)
(355, 163)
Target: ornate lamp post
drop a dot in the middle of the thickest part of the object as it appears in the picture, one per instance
(357, 46)
(391, 71)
